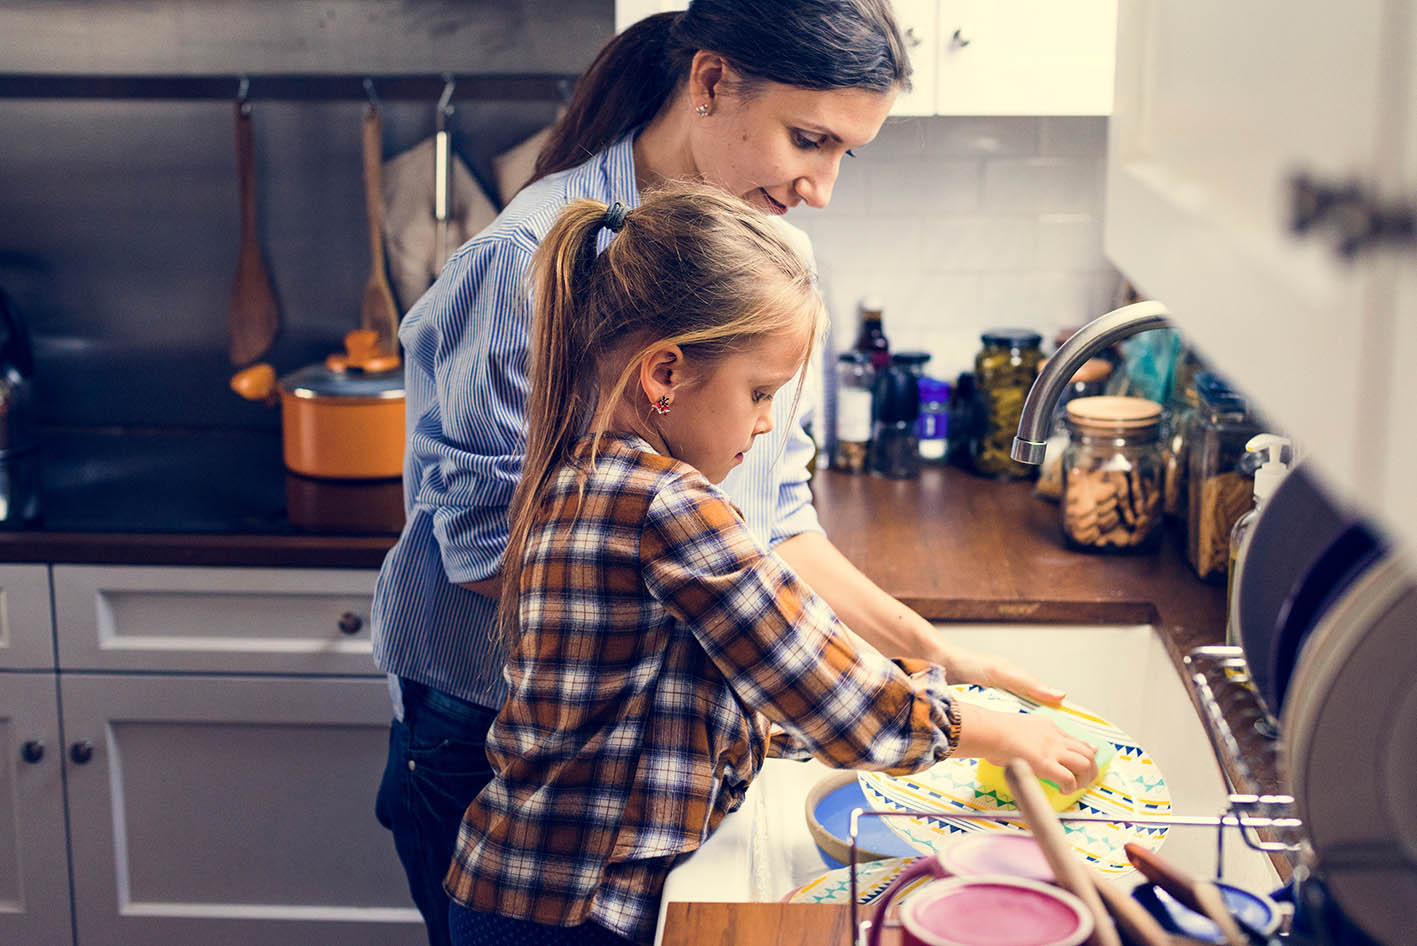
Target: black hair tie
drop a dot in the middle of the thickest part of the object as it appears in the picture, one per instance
(615, 217)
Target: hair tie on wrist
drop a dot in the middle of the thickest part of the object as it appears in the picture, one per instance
(615, 217)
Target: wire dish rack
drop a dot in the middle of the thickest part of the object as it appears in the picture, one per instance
(1246, 742)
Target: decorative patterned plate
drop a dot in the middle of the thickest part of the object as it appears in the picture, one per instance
(1133, 787)
(873, 878)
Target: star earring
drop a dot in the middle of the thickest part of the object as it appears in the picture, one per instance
(702, 111)
(661, 406)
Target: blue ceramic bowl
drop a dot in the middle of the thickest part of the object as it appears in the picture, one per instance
(1255, 909)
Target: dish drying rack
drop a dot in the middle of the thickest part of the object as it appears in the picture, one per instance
(1246, 743)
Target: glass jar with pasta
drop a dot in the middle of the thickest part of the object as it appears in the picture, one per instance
(1218, 492)
(1004, 370)
(1113, 474)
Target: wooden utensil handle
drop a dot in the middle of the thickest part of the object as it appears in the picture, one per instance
(1048, 832)
(1200, 896)
(1141, 927)
(373, 185)
(245, 169)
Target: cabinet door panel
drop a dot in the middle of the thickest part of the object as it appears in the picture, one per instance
(918, 21)
(1217, 106)
(26, 629)
(233, 620)
(34, 865)
(1025, 57)
(232, 810)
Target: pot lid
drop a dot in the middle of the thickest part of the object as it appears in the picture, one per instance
(361, 370)
(321, 381)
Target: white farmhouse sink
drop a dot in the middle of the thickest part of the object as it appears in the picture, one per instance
(1122, 672)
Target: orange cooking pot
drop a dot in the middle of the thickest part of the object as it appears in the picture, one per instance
(343, 419)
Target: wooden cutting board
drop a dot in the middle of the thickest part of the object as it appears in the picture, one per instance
(762, 924)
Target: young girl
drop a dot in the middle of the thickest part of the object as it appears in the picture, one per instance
(652, 638)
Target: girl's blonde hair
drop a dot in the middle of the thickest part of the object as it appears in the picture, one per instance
(693, 267)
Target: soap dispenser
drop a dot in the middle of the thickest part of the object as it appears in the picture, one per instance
(1267, 477)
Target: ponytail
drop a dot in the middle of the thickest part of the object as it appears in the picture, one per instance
(692, 267)
(561, 396)
(622, 90)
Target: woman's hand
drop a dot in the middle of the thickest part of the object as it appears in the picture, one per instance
(966, 666)
(1064, 759)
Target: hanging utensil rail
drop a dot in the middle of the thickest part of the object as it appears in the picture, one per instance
(291, 87)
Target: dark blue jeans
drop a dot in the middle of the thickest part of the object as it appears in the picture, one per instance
(490, 929)
(437, 764)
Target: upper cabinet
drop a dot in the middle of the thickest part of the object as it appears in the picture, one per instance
(1261, 178)
(991, 57)
(1023, 57)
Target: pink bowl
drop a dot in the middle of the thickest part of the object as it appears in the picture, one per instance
(994, 910)
(1004, 852)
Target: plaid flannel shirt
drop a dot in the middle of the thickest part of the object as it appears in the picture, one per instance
(659, 639)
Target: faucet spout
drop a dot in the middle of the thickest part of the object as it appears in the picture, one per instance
(1037, 416)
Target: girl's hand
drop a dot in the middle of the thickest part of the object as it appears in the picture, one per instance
(966, 666)
(1064, 759)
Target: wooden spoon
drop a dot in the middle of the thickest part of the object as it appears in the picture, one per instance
(253, 316)
(1072, 875)
(378, 311)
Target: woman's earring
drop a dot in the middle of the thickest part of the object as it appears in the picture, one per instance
(702, 111)
(661, 406)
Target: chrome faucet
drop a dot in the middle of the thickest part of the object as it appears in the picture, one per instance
(1037, 418)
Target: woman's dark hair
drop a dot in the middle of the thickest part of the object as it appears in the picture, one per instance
(811, 44)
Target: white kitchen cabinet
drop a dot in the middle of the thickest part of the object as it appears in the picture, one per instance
(34, 862)
(26, 629)
(223, 809)
(227, 620)
(1218, 107)
(990, 57)
(1024, 57)
(211, 778)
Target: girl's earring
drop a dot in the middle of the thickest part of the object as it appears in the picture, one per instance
(661, 406)
(702, 111)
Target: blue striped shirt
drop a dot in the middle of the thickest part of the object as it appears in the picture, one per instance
(465, 343)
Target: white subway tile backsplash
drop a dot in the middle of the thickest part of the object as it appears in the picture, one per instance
(956, 225)
(974, 243)
(1086, 137)
(926, 187)
(958, 135)
(1069, 242)
(1041, 185)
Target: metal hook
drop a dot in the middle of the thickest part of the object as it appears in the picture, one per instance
(445, 101)
(369, 91)
(243, 89)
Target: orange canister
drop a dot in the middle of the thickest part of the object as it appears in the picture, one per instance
(343, 419)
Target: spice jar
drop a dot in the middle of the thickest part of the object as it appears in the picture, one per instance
(855, 379)
(1112, 474)
(872, 337)
(1090, 380)
(1004, 370)
(1217, 492)
(895, 449)
(933, 425)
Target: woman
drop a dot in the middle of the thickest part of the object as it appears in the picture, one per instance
(762, 99)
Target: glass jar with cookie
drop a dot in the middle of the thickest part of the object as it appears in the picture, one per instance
(1113, 474)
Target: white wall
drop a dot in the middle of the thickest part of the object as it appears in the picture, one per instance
(963, 224)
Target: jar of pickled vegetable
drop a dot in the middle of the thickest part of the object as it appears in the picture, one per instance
(1004, 371)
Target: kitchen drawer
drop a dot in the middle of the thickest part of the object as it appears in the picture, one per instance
(231, 620)
(26, 629)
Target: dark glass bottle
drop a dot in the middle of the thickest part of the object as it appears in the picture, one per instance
(872, 337)
(960, 414)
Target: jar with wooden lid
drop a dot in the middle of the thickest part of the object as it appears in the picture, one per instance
(1004, 370)
(1090, 380)
(1113, 474)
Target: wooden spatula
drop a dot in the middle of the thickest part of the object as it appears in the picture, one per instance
(253, 318)
(378, 311)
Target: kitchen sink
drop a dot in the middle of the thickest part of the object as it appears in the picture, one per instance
(1121, 672)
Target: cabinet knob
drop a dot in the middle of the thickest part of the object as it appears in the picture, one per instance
(350, 623)
(81, 752)
(959, 40)
(32, 751)
(911, 39)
